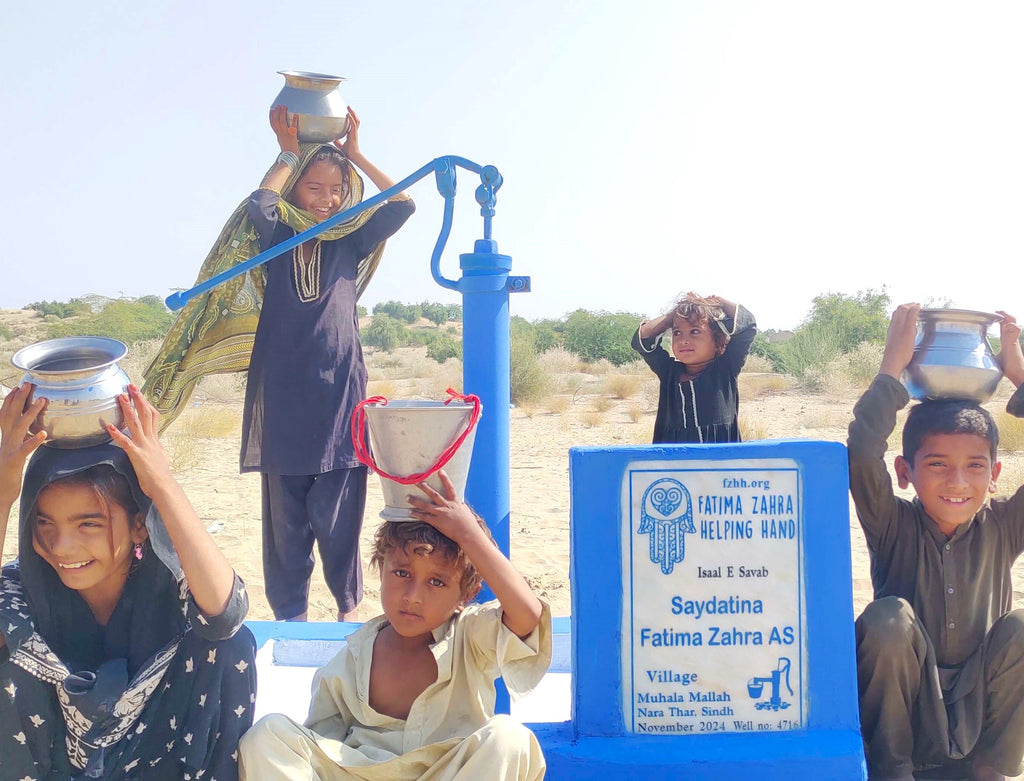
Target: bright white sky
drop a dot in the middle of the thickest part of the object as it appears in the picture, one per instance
(764, 151)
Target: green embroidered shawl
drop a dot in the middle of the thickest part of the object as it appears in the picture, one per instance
(214, 332)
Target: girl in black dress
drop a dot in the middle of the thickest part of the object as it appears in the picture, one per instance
(698, 400)
(122, 651)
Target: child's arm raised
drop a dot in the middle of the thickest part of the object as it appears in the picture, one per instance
(651, 328)
(521, 610)
(18, 411)
(288, 140)
(899, 340)
(210, 576)
(350, 148)
(1011, 359)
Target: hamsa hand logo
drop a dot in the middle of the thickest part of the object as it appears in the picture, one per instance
(666, 515)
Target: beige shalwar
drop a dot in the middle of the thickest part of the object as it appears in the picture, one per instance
(451, 731)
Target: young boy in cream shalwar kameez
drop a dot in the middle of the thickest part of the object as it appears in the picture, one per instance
(412, 694)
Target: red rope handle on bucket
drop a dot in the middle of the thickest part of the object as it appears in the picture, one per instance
(366, 457)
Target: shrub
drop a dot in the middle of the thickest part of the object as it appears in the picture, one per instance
(5, 332)
(128, 319)
(635, 413)
(757, 364)
(1011, 431)
(61, 309)
(434, 312)
(384, 332)
(529, 381)
(558, 360)
(850, 320)
(410, 313)
(809, 351)
(597, 335)
(621, 386)
(443, 348)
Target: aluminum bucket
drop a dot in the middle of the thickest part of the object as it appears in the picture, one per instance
(409, 441)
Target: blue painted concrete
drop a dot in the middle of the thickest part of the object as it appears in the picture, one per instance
(596, 744)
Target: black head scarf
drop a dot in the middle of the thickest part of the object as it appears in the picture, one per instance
(148, 615)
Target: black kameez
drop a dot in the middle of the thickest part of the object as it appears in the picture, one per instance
(161, 692)
(706, 408)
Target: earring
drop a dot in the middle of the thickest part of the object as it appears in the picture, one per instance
(138, 551)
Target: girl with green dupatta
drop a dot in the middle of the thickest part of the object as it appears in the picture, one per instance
(292, 323)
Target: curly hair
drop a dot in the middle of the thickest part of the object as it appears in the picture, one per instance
(697, 310)
(423, 539)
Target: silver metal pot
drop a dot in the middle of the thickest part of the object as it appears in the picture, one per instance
(314, 102)
(80, 378)
(952, 357)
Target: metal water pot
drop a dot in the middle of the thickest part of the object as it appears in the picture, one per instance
(314, 102)
(952, 357)
(81, 379)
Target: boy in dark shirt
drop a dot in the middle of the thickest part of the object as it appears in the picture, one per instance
(940, 654)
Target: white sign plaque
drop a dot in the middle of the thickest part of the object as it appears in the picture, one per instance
(712, 625)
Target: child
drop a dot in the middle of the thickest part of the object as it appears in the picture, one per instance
(307, 374)
(413, 693)
(940, 655)
(306, 371)
(698, 400)
(122, 651)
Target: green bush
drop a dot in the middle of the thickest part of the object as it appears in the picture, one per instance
(443, 348)
(360, 310)
(384, 333)
(6, 332)
(548, 334)
(128, 319)
(434, 312)
(455, 313)
(529, 382)
(807, 353)
(596, 335)
(419, 337)
(850, 320)
(410, 313)
(61, 309)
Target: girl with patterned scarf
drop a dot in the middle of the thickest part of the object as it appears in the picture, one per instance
(292, 323)
(122, 651)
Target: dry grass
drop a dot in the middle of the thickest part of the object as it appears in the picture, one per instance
(207, 421)
(852, 372)
(386, 388)
(602, 404)
(621, 386)
(752, 386)
(571, 383)
(557, 404)
(1011, 431)
(592, 419)
(751, 430)
(558, 360)
(601, 367)
(758, 364)
(635, 413)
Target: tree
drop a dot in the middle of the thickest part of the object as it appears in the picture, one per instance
(850, 320)
(596, 335)
(384, 333)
